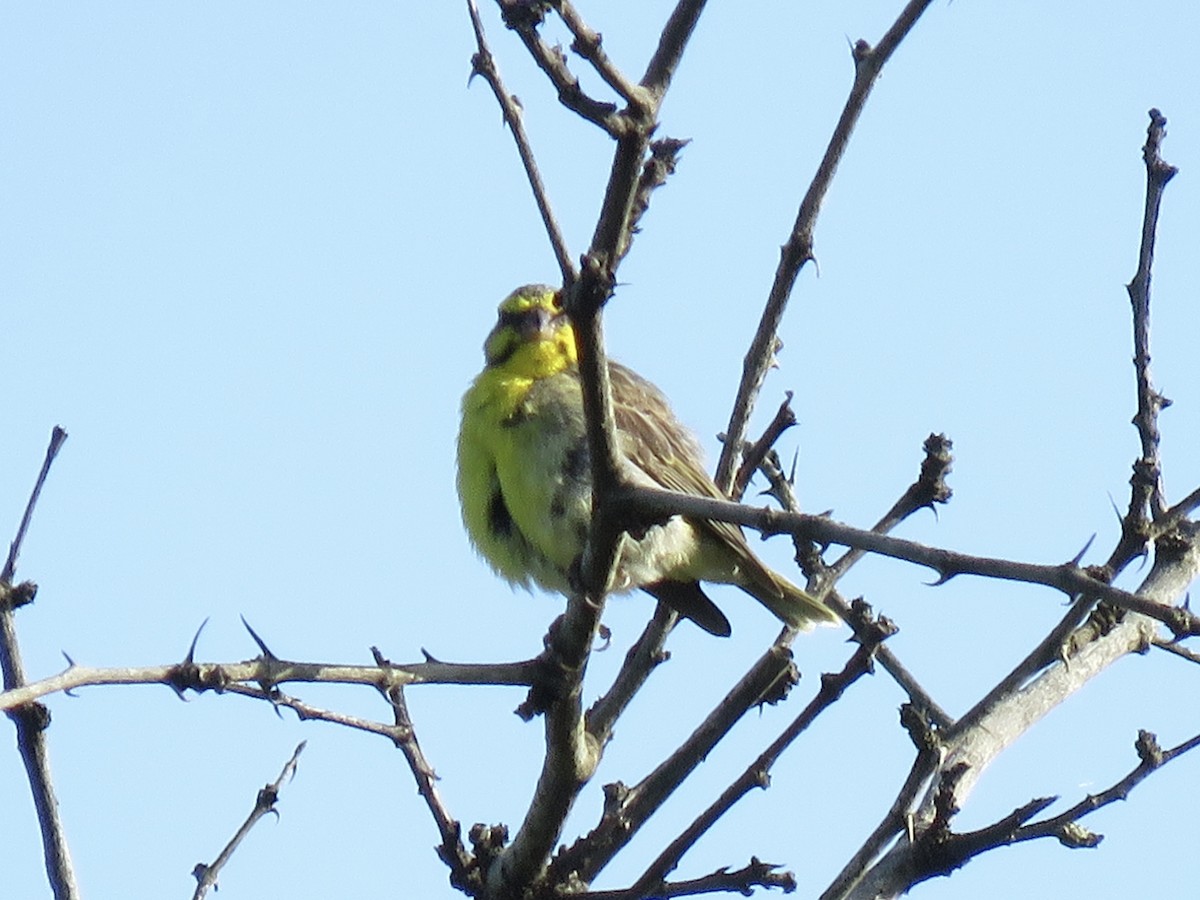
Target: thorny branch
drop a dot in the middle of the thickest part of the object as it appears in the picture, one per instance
(1070, 656)
(757, 774)
(1066, 577)
(269, 672)
(32, 719)
(484, 65)
(798, 249)
(451, 849)
(572, 753)
(206, 874)
(1148, 493)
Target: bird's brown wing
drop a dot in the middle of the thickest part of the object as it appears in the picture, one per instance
(658, 444)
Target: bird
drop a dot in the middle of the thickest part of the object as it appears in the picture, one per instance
(525, 488)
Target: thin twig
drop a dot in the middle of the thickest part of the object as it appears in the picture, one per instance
(741, 881)
(207, 874)
(451, 849)
(32, 719)
(930, 488)
(1147, 481)
(1152, 758)
(628, 809)
(57, 437)
(951, 851)
(754, 454)
(271, 672)
(798, 249)
(646, 654)
(524, 18)
(587, 44)
(757, 774)
(1066, 577)
(484, 65)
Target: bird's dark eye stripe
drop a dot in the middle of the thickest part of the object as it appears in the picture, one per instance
(526, 321)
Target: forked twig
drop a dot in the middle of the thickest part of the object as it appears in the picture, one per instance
(206, 874)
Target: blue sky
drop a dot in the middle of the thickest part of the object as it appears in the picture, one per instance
(248, 254)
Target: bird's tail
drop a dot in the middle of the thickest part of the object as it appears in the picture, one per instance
(789, 603)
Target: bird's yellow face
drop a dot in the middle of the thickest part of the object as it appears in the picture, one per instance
(533, 337)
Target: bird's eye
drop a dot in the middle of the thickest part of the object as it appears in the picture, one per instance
(556, 302)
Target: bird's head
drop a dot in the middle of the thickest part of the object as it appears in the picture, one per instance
(533, 337)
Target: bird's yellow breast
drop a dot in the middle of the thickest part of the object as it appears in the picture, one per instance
(523, 478)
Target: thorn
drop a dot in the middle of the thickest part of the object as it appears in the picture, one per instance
(191, 654)
(70, 665)
(266, 651)
(1082, 553)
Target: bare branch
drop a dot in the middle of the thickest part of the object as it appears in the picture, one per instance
(627, 809)
(947, 852)
(57, 438)
(754, 455)
(32, 719)
(451, 849)
(980, 737)
(484, 65)
(1066, 577)
(1064, 826)
(757, 774)
(206, 874)
(524, 19)
(742, 881)
(1147, 480)
(798, 249)
(587, 43)
(929, 488)
(269, 673)
(646, 654)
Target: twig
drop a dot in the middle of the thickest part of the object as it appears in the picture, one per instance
(798, 249)
(951, 851)
(1147, 480)
(587, 44)
(57, 438)
(1181, 652)
(525, 18)
(451, 849)
(271, 672)
(1064, 826)
(484, 65)
(207, 874)
(755, 455)
(32, 719)
(929, 488)
(1066, 577)
(741, 881)
(646, 654)
(628, 809)
(969, 751)
(757, 774)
